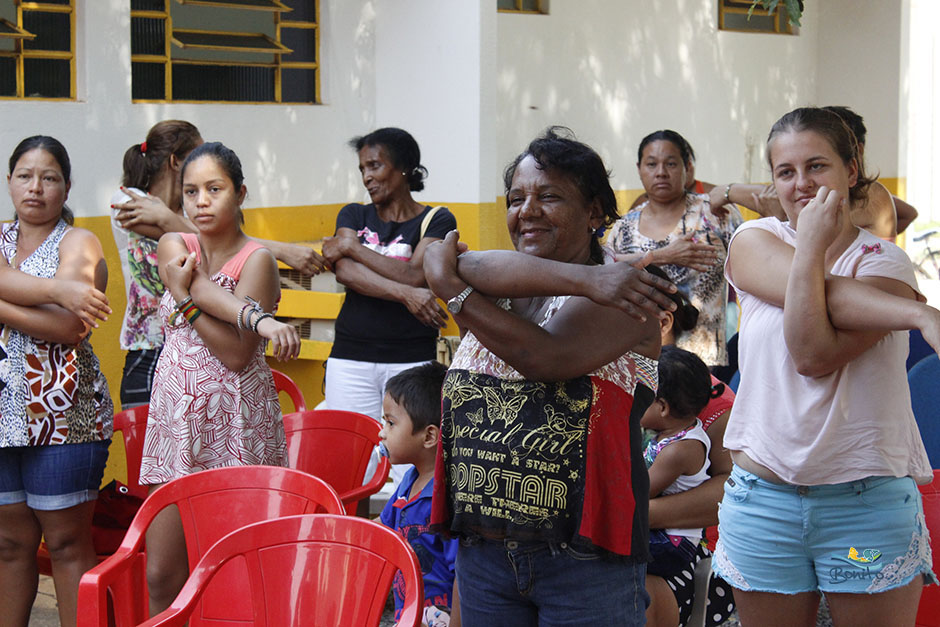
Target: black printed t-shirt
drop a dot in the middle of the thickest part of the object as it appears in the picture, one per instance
(374, 329)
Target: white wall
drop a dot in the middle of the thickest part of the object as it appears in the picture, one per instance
(860, 67)
(475, 86)
(616, 71)
(292, 155)
(434, 68)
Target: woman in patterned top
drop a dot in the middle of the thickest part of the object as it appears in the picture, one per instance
(685, 239)
(55, 411)
(540, 473)
(214, 403)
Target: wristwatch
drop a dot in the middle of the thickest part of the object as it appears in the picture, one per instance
(455, 304)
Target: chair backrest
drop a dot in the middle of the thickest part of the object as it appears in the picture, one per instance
(283, 383)
(132, 423)
(924, 381)
(336, 446)
(310, 570)
(211, 504)
(928, 612)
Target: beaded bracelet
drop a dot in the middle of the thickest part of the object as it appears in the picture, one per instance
(254, 328)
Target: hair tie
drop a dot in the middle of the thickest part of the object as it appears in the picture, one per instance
(143, 148)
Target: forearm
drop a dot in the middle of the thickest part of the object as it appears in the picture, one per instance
(231, 346)
(405, 272)
(24, 289)
(215, 300)
(360, 278)
(808, 332)
(854, 305)
(49, 323)
(530, 277)
(693, 508)
(905, 213)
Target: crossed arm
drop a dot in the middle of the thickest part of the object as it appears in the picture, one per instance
(581, 337)
(369, 273)
(218, 326)
(62, 309)
(149, 216)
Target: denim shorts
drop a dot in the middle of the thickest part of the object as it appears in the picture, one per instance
(539, 584)
(52, 477)
(137, 380)
(860, 536)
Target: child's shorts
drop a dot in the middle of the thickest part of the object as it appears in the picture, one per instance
(861, 536)
(52, 477)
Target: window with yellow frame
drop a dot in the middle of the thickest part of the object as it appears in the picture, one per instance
(522, 6)
(37, 49)
(252, 51)
(733, 15)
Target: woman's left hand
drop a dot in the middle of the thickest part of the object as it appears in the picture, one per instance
(285, 341)
(178, 274)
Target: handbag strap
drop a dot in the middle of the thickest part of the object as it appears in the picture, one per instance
(426, 221)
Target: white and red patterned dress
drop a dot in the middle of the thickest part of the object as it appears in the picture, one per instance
(203, 415)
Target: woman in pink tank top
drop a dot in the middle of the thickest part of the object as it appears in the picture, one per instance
(213, 402)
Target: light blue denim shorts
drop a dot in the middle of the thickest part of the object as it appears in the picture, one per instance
(52, 477)
(862, 536)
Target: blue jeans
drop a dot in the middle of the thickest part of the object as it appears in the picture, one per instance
(52, 477)
(527, 583)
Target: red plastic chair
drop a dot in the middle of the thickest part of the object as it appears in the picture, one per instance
(928, 612)
(336, 445)
(310, 570)
(211, 503)
(132, 423)
(283, 383)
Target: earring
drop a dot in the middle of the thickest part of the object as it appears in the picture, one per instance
(404, 174)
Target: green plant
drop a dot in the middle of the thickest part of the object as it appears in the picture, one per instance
(794, 8)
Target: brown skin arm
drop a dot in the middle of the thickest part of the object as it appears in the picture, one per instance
(697, 507)
(905, 212)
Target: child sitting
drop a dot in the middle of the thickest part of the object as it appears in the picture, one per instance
(677, 457)
(412, 416)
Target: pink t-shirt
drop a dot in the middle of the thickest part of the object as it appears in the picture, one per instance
(853, 423)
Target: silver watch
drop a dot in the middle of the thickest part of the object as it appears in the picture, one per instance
(455, 304)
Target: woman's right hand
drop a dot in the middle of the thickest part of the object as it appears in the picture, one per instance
(285, 341)
(146, 209)
(178, 274)
(83, 300)
(685, 251)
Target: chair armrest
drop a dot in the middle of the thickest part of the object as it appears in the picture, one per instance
(123, 572)
(375, 484)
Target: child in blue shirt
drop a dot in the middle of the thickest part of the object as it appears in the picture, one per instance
(412, 416)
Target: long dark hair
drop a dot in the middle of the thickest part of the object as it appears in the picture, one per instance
(557, 149)
(55, 148)
(169, 137)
